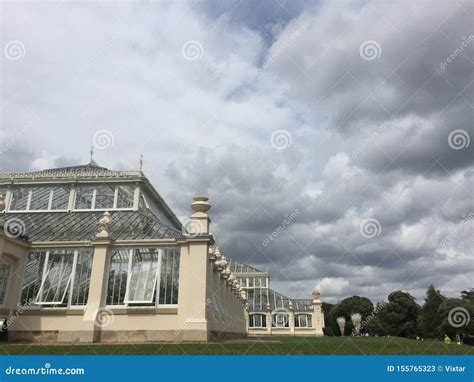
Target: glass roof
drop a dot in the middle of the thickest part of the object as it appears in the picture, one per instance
(239, 268)
(260, 299)
(90, 170)
(64, 226)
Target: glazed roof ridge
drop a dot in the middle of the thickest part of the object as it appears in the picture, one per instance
(89, 170)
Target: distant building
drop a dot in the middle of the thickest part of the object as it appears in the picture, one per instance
(272, 313)
(89, 254)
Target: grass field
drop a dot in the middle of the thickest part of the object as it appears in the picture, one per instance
(257, 346)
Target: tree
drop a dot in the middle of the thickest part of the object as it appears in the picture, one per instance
(457, 317)
(468, 294)
(398, 317)
(429, 320)
(328, 329)
(345, 308)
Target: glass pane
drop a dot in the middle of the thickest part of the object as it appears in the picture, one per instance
(169, 282)
(40, 198)
(125, 196)
(104, 198)
(82, 277)
(280, 320)
(118, 273)
(143, 276)
(57, 278)
(19, 199)
(32, 277)
(84, 197)
(4, 278)
(3, 192)
(60, 198)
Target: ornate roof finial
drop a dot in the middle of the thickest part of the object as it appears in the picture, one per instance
(104, 225)
(92, 154)
(141, 163)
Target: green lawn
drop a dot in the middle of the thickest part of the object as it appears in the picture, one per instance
(256, 346)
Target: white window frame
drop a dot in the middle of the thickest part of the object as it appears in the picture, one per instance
(133, 304)
(129, 279)
(263, 319)
(277, 323)
(6, 284)
(94, 194)
(30, 195)
(70, 286)
(298, 318)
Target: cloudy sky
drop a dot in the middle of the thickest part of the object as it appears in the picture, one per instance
(333, 139)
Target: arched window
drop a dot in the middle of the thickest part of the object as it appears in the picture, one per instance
(280, 320)
(257, 321)
(303, 321)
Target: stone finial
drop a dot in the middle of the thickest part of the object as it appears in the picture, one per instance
(218, 254)
(316, 295)
(104, 225)
(224, 262)
(200, 204)
(212, 256)
(200, 222)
